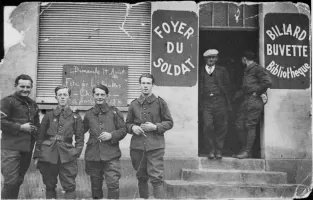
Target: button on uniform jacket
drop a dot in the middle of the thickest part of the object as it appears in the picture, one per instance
(15, 111)
(55, 137)
(154, 110)
(100, 119)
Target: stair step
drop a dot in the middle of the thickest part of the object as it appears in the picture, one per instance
(234, 176)
(232, 163)
(179, 189)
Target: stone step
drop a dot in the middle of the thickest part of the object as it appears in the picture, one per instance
(232, 163)
(179, 189)
(234, 176)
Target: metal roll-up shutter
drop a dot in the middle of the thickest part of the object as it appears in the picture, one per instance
(92, 33)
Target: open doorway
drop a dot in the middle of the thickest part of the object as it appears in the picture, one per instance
(230, 44)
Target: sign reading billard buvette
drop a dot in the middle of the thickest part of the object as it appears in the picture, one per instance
(174, 48)
(287, 50)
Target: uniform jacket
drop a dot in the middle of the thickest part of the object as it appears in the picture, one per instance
(255, 79)
(223, 81)
(100, 119)
(15, 111)
(55, 137)
(154, 110)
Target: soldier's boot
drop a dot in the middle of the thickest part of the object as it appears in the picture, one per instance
(10, 191)
(242, 149)
(143, 189)
(113, 193)
(70, 195)
(97, 193)
(242, 138)
(158, 191)
(96, 187)
(51, 194)
(246, 153)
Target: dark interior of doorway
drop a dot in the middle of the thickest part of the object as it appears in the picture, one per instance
(230, 44)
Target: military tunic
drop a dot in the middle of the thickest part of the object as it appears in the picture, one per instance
(55, 151)
(16, 145)
(256, 80)
(147, 152)
(102, 157)
(154, 110)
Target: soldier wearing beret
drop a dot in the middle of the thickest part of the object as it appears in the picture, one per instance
(106, 128)
(256, 81)
(147, 120)
(215, 89)
(54, 149)
(19, 125)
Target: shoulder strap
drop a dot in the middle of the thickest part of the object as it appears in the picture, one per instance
(75, 123)
(114, 110)
(161, 109)
(10, 107)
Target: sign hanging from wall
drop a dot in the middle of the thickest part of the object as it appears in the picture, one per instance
(174, 48)
(287, 50)
(82, 78)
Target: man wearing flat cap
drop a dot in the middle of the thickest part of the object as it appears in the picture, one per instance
(216, 104)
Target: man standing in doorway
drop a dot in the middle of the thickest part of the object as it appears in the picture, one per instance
(255, 83)
(216, 103)
(55, 152)
(19, 125)
(148, 119)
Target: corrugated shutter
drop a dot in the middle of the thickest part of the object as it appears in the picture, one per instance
(92, 33)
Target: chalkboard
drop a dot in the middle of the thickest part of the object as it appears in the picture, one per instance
(82, 78)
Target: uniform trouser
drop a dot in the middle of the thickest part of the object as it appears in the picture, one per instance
(67, 173)
(149, 165)
(111, 170)
(248, 117)
(14, 165)
(215, 122)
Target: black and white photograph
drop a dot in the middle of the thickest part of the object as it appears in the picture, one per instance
(156, 100)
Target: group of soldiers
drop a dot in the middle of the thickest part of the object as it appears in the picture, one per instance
(55, 155)
(147, 120)
(217, 95)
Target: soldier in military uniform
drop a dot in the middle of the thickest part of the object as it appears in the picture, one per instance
(147, 120)
(19, 125)
(106, 128)
(255, 83)
(54, 149)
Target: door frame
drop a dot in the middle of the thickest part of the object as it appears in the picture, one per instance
(259, 56)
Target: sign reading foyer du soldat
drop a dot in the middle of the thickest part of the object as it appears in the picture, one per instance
(174, 48)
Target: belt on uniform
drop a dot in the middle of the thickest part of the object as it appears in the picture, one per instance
(59, 138)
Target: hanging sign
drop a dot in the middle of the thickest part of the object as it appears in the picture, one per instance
(174, 48)
(287, 50)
